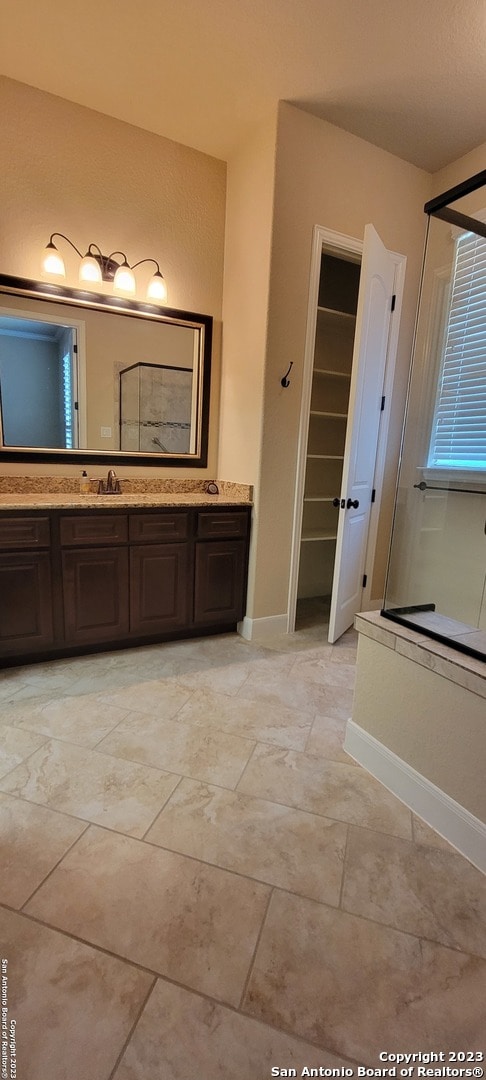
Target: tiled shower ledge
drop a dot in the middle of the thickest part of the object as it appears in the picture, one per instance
(446, 661)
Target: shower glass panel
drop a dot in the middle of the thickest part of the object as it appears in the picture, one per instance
(156, 406)
(436, 580)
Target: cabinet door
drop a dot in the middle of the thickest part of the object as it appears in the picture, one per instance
(365, 401)
(159, 588)
(26, 623)
(95, 586)
(219, 595)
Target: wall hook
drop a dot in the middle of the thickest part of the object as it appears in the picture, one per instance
(285, 381)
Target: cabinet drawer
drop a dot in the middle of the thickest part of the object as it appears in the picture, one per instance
(154, 528)
(94, 530)
(24, 532)
(223, 524)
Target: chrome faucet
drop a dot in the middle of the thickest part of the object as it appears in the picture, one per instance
(110, 486)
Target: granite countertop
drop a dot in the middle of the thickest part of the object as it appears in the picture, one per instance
(72, 501)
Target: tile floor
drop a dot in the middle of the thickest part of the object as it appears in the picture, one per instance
(198, 882)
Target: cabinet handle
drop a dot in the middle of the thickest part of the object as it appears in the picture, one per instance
(352, 503)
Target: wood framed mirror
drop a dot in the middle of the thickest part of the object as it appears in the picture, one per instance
(93, 378)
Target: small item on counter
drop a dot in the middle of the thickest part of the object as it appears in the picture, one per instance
(84, 483)
(212, 488)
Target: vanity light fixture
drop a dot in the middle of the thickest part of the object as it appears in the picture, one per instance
(96, 267)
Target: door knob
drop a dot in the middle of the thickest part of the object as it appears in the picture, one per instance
(352, 503)
(335, 502)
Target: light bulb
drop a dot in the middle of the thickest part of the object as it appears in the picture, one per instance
(124, 279)
(53, 262)
(157, 289)
(90, 270)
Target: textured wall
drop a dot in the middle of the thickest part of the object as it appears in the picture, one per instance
(327, 177)
(69, 169)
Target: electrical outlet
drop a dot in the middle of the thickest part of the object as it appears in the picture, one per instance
(105, 432)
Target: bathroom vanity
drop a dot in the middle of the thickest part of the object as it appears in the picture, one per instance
(80, 574)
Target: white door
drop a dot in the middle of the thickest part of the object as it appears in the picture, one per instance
(369, 357)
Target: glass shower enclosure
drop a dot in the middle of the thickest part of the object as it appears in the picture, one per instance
(156, 407)
(436, 579)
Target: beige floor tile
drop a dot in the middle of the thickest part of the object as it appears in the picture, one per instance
(181, 1036)
(194, 923)
(82, 720)
(301, 641)
(289, 848)
(11, 682)
(33, 841)
(128, 667)
(324, 671)
(358, 988)
(344, 653)
(119, 794)
(326, 739)
(26, 692)
(74, 1007)
(424, 834)
(281, 688)
(54, 675)
(272, 724)
(15, 746)
(433, 894)
(221, 678)
(342, 792)
(157, 697)
(179, 747)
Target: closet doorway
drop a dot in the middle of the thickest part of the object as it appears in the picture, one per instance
(354, 306)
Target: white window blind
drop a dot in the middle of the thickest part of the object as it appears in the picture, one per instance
(459, 427)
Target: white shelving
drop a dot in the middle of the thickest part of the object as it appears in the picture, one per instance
(333, 353)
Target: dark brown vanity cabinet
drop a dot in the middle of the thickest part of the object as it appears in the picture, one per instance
(160, 573)
(26, 623)
(72, 581)
(221, 566)
(94, 577)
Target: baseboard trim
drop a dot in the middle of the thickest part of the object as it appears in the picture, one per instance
(454, 823)
(262, 629)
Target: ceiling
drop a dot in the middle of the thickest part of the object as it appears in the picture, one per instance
(407, 75)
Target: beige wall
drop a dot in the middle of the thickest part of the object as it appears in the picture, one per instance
(459, 170)
(434, 725)
(69, 169)
(249, 222)
(327, 177)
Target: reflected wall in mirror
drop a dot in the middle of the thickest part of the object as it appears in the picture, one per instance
(91, 376)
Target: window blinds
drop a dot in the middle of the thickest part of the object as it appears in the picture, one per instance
(459, 427)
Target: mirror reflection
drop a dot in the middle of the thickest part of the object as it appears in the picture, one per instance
(77, 376)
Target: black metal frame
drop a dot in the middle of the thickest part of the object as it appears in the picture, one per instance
(17, 286)
(439, 207)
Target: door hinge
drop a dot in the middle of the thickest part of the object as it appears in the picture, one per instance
(373, 495)
(393, 302)
(382, 403)
(365, 579)
(75, 348)
(76, 406)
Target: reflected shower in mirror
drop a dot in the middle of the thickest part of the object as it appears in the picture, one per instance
(112, 379)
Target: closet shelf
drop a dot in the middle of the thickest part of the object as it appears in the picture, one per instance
(329, 415)
(317, 534)
(318, 498)
(333, 374)
(326, 457)
(335, 315)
